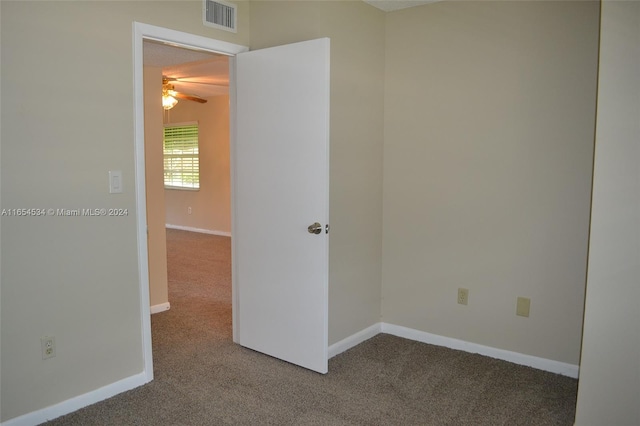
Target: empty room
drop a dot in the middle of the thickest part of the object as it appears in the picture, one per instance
(460, 185)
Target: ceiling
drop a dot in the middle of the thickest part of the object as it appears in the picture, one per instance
(203, 74)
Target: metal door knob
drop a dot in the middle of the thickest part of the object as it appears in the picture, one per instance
(315, 228)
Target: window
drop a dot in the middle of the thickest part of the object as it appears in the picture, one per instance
(181, 163)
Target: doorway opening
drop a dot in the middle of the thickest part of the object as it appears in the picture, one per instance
(174, 45)
(188, 189)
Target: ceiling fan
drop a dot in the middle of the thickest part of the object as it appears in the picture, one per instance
(170, 96)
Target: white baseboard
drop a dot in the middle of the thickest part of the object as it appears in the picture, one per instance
(354, 340)
(199, 230)
(552, 366)
(160, 308)
(515, 357)
(81, 401)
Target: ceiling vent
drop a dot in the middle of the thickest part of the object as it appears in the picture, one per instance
(219, 14)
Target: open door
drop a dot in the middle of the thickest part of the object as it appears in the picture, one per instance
(281, 189)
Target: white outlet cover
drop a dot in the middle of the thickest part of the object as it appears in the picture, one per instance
(48, 347)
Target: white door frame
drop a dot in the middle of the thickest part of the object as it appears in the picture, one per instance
(143, 32)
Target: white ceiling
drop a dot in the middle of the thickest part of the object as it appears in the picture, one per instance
(203, 74)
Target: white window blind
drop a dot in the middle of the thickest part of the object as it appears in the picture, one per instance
(181, 161)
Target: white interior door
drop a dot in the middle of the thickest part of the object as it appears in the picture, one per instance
(281, 186)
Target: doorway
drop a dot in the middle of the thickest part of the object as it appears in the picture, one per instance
(280, 185)
(188, 183)
(187, 178)
(188, 44)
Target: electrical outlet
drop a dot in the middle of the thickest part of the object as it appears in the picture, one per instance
(48, 344)
(463, 296)
(522, 306)
(188, 210)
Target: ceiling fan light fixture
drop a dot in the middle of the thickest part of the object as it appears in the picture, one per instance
(168, 102)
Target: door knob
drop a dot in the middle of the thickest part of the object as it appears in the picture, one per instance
(315, 228)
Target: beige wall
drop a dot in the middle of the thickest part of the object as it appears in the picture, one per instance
(489, 121)
(211, 205)
(357, 57)
(67, 119)
(609, 387)
(154, 172)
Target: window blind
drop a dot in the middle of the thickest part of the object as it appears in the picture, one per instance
(181, 160)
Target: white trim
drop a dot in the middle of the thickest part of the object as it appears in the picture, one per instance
(198, 230)
(235, 306)
(78, 402)
(354, 339)
(161, 307)
(141, 201)
(188, 41)
(545, 364)
(514, 357)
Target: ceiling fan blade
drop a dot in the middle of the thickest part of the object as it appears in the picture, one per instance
(190, 97)
(191, 80)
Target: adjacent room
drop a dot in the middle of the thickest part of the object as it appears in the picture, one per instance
(187, 188)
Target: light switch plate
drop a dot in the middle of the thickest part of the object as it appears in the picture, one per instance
(115, 181)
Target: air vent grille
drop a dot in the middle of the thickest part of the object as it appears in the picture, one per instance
(219, 14)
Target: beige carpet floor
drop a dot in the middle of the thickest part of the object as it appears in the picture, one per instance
(203, 378)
